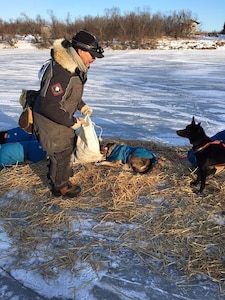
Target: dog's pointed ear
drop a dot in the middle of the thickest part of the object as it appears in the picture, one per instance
(193, 121)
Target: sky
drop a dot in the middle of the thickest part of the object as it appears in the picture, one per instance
(210, 14)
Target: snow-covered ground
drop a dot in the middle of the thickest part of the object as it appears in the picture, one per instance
(135, 94)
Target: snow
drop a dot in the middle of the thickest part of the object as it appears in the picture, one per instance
(135, 94)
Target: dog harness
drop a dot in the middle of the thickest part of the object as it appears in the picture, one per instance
(210, 143)
(122, 152)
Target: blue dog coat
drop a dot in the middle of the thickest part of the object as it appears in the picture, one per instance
(18, 135)
(122, 152)
(13, 153)
(10, 154)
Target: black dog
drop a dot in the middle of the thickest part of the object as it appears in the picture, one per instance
(209, 154)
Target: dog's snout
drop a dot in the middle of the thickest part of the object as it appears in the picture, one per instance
(180, 132)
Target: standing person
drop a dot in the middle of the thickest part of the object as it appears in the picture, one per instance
(60, 97)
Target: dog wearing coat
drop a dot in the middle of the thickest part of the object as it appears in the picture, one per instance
(209, 154)
(138, 159)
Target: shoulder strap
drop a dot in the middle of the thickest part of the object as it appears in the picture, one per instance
(82, 75)
(46, 76)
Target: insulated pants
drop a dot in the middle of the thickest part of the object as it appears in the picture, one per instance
(60, 167)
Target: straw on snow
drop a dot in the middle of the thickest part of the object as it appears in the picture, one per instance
(156, 215)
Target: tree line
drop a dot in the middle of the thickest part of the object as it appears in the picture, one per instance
(135, 29)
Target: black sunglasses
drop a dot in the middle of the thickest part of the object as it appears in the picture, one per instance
(86, 47)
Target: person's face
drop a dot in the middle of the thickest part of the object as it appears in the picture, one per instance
(86, 57)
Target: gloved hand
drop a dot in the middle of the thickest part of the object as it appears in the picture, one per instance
(79, 122)
(86, 110)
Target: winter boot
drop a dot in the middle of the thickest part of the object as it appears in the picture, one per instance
(69, 190)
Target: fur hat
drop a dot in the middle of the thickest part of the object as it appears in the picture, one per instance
(2, 137)
(87, 42)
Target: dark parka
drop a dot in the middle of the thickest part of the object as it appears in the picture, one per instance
(61, 96)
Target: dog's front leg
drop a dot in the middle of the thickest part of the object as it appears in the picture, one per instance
(109, 163)
(203, 174)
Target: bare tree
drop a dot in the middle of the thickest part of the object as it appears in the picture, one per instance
(133, 29)
(223, 30)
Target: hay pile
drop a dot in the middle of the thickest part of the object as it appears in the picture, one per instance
(155, 215)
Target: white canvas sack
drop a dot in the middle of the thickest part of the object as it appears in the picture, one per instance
(87, 147)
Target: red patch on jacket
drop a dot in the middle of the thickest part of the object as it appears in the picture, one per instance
(57, 89)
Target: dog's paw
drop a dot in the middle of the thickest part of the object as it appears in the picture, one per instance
(126, 167)
(197, 192)
(99, 163)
